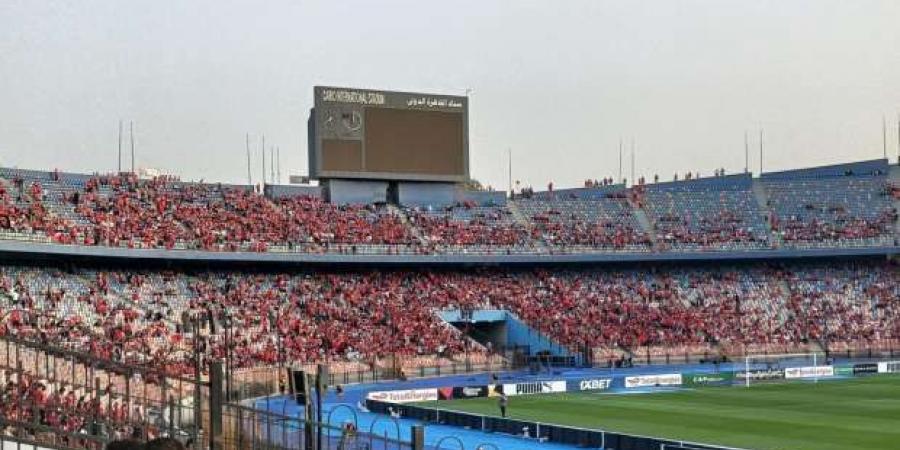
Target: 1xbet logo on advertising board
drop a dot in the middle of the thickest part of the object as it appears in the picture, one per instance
(595, 384)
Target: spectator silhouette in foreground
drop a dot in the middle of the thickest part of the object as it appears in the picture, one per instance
(164, 443)
(125, 444)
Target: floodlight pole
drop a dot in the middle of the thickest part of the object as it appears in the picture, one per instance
(760, 151)
(120, 146)
(632, 163)
(263, 150)
(620, 160)
(131, 126)
(249, 177)
(746, 153)
(509, 159)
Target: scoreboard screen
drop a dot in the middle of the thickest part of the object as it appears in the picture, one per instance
(365, 134)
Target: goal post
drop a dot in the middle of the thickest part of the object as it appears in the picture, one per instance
(693, 446)
(776, 366)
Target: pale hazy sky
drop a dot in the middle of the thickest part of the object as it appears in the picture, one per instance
(558, 82)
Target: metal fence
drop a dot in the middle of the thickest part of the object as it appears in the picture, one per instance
(98, 400)
(29, 436)
(580, 437)
(116, 401)
(246, 427)
(257, 382)
(661, 356)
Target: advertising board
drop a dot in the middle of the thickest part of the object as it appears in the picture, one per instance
(809, 372)
(404, 396)
(470, 392)
(590, 384)
(672, 379)
(889, 367)
(760, 375)
(708, 379)
(846, 370)
(536, 387)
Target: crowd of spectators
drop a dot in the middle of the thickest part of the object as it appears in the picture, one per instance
(66, 407)
(215, 217)
(161, 319)
(73, 410)
(606, 223)
(21, 210)
(152, 320)
(71, 399)
(127, 211)
(722, 217)
(849, 211)
(468, 225)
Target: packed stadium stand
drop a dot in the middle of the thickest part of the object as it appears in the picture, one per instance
(364, 318)
(850, 207)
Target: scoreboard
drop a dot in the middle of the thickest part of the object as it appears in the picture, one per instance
(384, 135)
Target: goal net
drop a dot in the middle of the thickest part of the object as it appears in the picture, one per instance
(692, 446)
(788, 366)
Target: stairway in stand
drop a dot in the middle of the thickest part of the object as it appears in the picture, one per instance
(762, 199)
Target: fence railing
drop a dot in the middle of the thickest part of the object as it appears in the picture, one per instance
(29, 436)
(115, 401)
(105, 399)
(608, 358)
(245, 427)
(263, 381)
(581, 437)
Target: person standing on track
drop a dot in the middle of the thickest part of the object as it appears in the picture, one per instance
(503, 402)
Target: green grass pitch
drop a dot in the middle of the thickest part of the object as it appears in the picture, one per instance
(862, 413)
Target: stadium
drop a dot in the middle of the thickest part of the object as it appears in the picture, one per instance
(389, 306)
(389, 296)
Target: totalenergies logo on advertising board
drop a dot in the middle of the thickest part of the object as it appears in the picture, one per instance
(405, 396)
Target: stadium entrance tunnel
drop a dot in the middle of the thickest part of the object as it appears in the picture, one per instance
(502, 332)
(489, 333)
